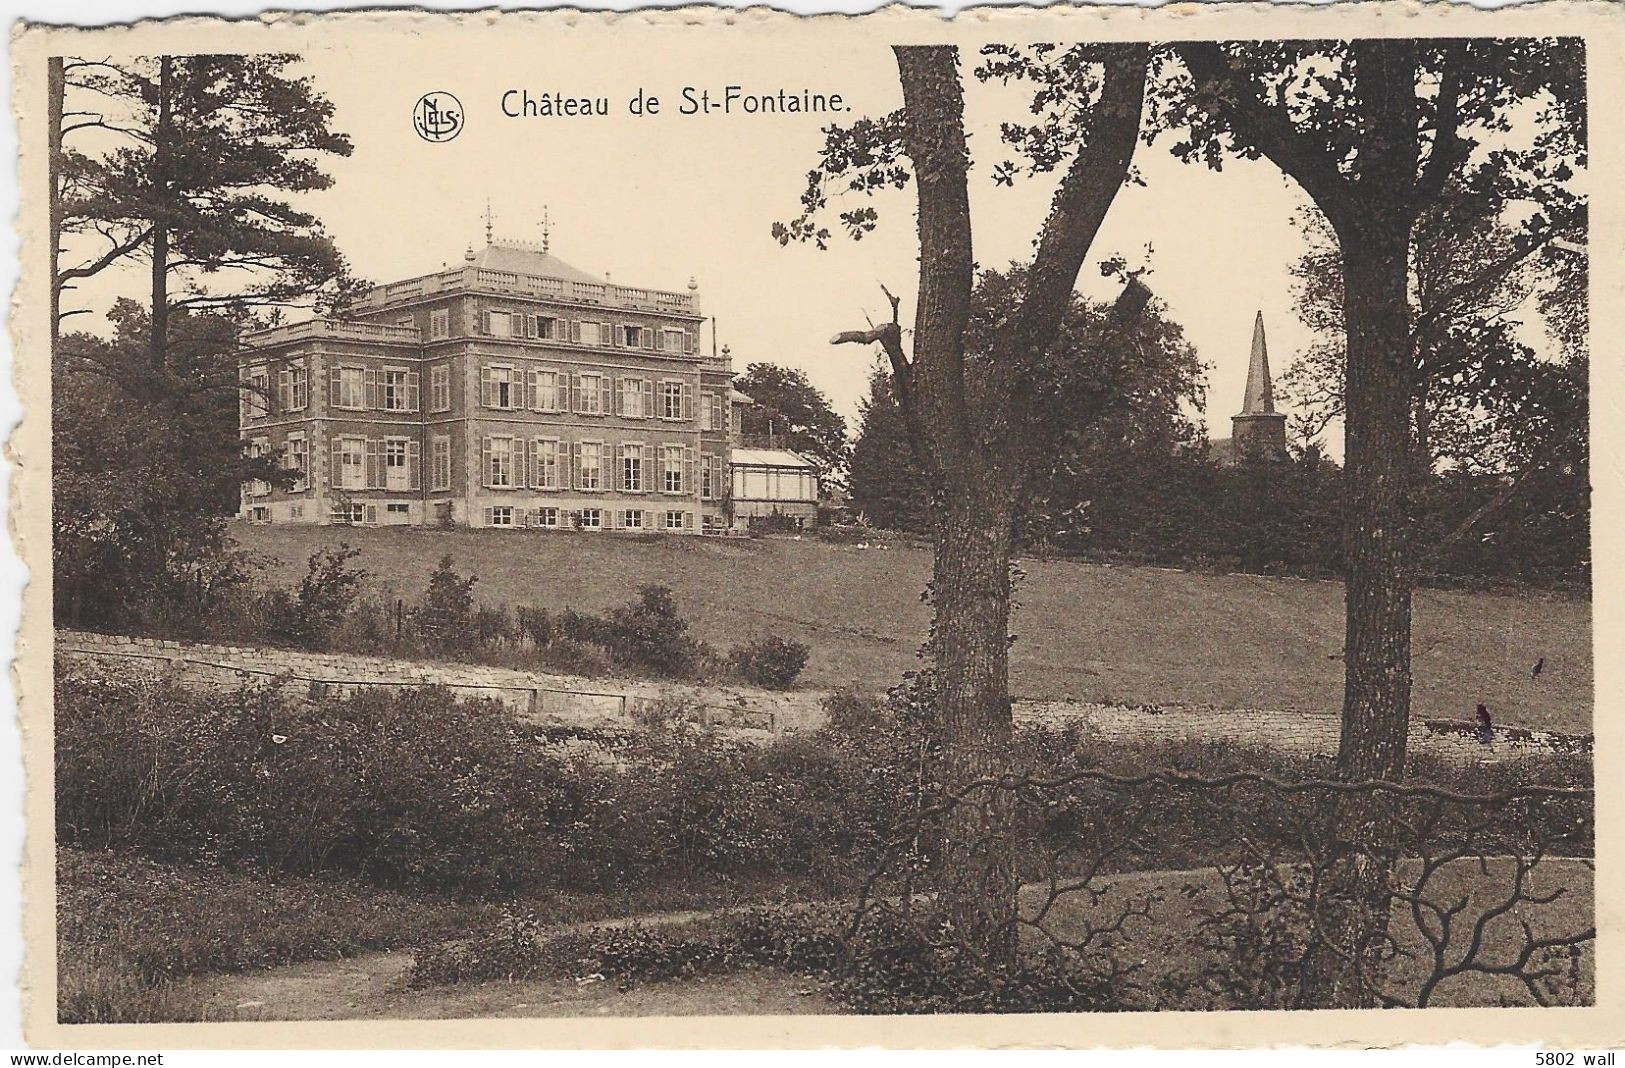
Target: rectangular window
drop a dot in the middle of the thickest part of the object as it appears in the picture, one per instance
(347, 513)
(293, 387)
(592, 519)
(500, 387)
(547, 464)
(396, 475)
(676, 520)
(499, 516)
(500, 324)
(260, 514)
(591, 333)
(632, 519)
(547, 517)
(258, 448)
(589, 464)
(672, 398)
(590, 390)
(499, 462)
(352, 391)
(398, 508)
(297, 458)
(296, 510)
(440, 463)
(257, 394)
(439, 325)
(719, 410)
(632, 468)
(547, 329)
(400, 390)
(632, 336)
(671, 468)
(440, 388)
(545, 388)
(631, 393)
(673, 340)
(353, 463)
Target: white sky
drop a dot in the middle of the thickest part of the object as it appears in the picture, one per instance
(655, 201)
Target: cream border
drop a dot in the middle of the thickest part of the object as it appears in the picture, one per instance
(1600, 1025)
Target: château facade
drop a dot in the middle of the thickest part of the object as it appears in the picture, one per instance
(511, 391)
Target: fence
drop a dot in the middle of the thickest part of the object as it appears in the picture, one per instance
(1168, 891)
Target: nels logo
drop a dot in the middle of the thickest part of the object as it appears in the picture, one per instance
(438, 116)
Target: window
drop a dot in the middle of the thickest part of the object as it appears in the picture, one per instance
(632, 519)
(591, 333)
(674, 400)
(259, 514)
(256, 396)
(297, 458)
(499, 516)
(673, 340)
(546, 475)
(676, 520)
(632, 336)
(547, 329)
(591, 390)
(672, 459)
(440, 388)
(632, 396)
(589, 460)
(499, 387)
(592, 519)
(439, 325)
(296, 510)
(499, 462)
(547, 517)
(352, 388)
(545, 390)
(257, 448)
(440, 463)
(293, 387)
(400, 388)
(352, 463)
(501, 324)
(719, 412)
(398, 508)
(396, 474)
(346, 513)
(632, 468)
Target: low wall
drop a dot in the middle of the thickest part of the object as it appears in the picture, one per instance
(614, 703)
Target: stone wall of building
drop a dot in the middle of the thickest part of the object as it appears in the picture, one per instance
(616, 703)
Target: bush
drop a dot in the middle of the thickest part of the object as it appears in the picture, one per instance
(771, 662)
(647, 634)
(325, 597)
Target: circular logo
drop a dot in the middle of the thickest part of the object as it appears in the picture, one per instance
(438, 116)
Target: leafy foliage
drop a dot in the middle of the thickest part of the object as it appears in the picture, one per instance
(789, 412)
(772, 662)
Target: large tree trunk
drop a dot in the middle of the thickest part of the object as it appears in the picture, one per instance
(970, 650)
(1355, 895)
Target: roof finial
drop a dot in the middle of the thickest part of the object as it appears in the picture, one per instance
(547, 228)
(487, 220)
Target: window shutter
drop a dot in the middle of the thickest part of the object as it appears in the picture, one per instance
(485, 328)
(375, 463)
(604, 398)
(688, 403)
(533, 400)
(648, 398)
(336, 479)
(333, 388)
(485, 462)
(487, 388)
(575, 390)
(490, 516)
(413, 381)
(688, 520)
(534, 475)
(564, 480)
(575, 331)
(575, 463)
(530, 326)
(650, 333)
(284, 390)
(688, 470)
(620, 395)
(414, 461)
(373, 401)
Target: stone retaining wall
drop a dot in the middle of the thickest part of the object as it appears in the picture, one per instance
(615, 703)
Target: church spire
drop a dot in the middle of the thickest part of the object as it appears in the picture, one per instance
(1260, 398)
(1259, 430)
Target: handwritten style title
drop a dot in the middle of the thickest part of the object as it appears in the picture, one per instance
(690, 100)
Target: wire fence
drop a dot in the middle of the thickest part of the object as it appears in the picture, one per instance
(1174, 891)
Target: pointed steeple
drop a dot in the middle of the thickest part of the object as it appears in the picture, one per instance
(1259, 431)
(1260, 398)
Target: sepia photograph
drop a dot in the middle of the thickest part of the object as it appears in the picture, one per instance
(566, 518)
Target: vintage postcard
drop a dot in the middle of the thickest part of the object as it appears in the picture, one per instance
(715, 528)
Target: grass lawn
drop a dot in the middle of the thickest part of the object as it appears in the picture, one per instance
(1084, 631)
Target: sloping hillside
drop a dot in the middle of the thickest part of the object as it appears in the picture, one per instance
(1085, 631)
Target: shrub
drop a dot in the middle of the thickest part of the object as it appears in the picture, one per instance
(445, 618)
(647, 634)
(325, 597)
(771, 662)
(534, 624)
